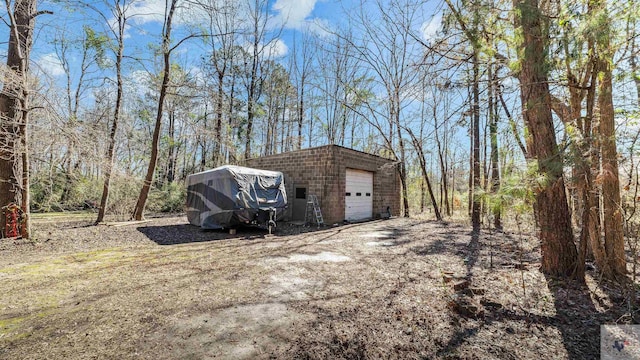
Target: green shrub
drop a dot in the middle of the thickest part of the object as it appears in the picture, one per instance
(168, 199)
(53, 192)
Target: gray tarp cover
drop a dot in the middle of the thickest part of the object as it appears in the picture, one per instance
(232, 195)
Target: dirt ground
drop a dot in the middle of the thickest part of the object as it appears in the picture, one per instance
(394, 289)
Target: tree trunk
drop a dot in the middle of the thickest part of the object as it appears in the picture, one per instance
(283, 133)
(470, 180)
(116, 118)
(512, 124)
(203, 141)
(475, 207)
(250, 104)
(634, 69)
(425, 175)
(26, 163)
(217, 132)
(14, 161)
(269, 136)
(613, 232)
(173, 151)
(453, 186)
(559, 254)
(301, 112)
(422, 195)
(395, 115)
(310, 141)
(138, 212)
(252, 98)
(493, 135)
(592, 225)
(230, 140)
(443, 169)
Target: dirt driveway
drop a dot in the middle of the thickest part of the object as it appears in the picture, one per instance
(400, 288)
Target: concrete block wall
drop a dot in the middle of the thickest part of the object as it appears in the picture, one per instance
(322, 170)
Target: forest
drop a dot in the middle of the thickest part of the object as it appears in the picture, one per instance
(507, 114)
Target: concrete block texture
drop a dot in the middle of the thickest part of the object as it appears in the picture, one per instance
(322, 171)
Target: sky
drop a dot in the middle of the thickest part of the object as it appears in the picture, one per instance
(146, 20)
(291, 16)
(289, 19)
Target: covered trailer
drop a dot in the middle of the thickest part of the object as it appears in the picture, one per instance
(228, 196)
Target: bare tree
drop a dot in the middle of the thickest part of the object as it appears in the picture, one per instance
(15, 108)
(301, 64)
(258, 17)
(222, 29)
(493, 134)
(78, 82)
(471, 32)
(170, 8)
(118, 10)
(425, 175)
(386, 48)
(336, 79)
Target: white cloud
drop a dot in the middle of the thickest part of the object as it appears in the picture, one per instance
(293, 13)
(320, 27)
(113, 25)
(139, 78)
(149, 11)
(145, 11)
(139, 13)
(274, 49)
(137, 82)
(197, 74)
(50, 65)
(430, 28)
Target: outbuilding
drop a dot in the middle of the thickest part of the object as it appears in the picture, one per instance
(350, 185)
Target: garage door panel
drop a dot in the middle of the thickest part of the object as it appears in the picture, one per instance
(358, 195)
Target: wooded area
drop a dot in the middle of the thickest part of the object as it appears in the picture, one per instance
(507, 112)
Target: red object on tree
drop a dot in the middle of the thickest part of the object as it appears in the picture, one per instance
(13, 217)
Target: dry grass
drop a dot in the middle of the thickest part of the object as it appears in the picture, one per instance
(402, 288)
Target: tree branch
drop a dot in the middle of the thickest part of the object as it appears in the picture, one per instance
(41, 12)
(561, 109)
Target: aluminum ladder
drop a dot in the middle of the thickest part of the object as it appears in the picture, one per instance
(313, 210)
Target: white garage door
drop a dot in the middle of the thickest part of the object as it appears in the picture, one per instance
(358, 200)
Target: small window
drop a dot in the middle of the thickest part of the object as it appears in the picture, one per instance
(368, 194)
(358, 194)
(348, 194)
(301, 193)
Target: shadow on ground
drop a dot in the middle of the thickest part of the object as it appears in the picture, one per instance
(579, 310)
(187, 233)
(578, 317)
